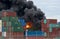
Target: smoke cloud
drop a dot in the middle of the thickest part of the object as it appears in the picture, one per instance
(25, 9)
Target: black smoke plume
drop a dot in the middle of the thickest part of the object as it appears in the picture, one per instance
(25, 9)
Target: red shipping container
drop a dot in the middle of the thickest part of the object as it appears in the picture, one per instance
(52, 21)
(44, 25)
(20, 34)
(58, 32)
(54, 29)
(4, 14)
(44, 29)
(48, 38)
(34, 37)
(15, 35)
(52, 34)
(13, 14)
(38, 37)
(49, 21)
(59, 29)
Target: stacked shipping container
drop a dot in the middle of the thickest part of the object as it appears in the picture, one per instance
(46, 28)
(11, 27)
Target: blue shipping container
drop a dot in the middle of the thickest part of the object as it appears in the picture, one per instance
(35, 33)
(22, 21)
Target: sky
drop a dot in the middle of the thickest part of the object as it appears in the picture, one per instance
(51, 8)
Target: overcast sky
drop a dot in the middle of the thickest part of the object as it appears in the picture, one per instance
(51, 8)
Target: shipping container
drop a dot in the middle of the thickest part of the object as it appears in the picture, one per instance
(4, 29)
(45, 29)
(3, 34)
(48, 21)
(58, 32)
(13, 14)
(57, 38)
(4, 23)
(49, 38)
(35, 33)
(45, 25)
(5, 19)
(52, 21)
(15, 23)
(14, 19)
(17, 29)
(22, 21)
(15, 35)
(4, 13)
(9, 29)
(34, 37)
(52, 34)
(8, 13)
(54, 25)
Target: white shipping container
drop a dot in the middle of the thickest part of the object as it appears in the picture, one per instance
(0, 25)
(4, 34)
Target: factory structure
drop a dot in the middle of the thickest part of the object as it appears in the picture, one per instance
(12, 27)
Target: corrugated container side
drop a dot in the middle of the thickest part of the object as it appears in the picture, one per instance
(13, 14)
(4, 13)
(52, 21)
(34, 37)
(49, 21)
(35, 33)
(54, 29)
(58, 32)
(15, 35)
(5, 19)
(13, 19)
(44, 25)
(48, 38)
(15, 24)
(45, 29)
(17, 29)
(52, 34)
